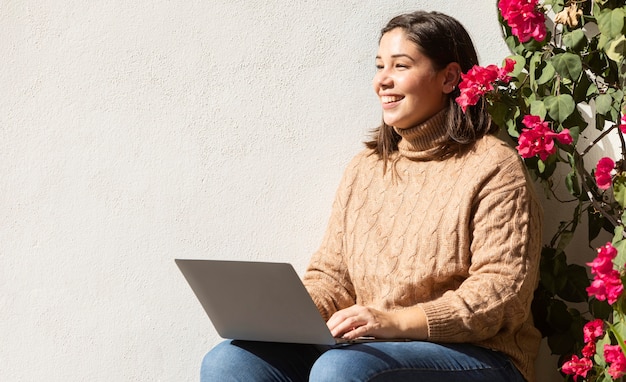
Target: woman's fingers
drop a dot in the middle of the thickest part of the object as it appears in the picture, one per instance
(355, 321)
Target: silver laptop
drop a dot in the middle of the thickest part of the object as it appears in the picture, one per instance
(256, 301)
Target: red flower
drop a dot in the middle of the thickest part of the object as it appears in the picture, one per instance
(525, 19)
(603, 173)
(606, 287)
(503, 72)
(578, 367)
(603, 263)
(479, 80)
(593, 330)
(607, 284)
(613, 354)
(538, 139)
(589, 350)
(622, 125)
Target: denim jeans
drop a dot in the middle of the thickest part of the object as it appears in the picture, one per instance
(374, 361)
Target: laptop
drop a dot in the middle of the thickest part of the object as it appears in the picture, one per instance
(257, 301)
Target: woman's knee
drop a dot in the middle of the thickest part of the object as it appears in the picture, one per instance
(339, 365)
(225, 362)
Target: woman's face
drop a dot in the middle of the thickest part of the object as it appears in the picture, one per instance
(409, 88)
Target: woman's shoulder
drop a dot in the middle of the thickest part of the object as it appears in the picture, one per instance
(493, 150)
(499, 162)
(366, 157)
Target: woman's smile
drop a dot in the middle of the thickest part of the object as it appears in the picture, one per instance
(410, 89)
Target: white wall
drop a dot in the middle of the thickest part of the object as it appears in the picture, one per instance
(132, 133)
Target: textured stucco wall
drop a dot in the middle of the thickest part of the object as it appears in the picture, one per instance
(132, 133)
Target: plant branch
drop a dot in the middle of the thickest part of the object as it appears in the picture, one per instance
(598, 139)
(584, 174)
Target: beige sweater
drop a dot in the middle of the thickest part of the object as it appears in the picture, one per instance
(461, 237)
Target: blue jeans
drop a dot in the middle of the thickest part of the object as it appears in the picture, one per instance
(374, 362)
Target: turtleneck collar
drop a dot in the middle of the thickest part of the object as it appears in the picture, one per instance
(425, 140)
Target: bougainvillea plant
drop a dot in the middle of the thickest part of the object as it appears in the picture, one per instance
(560, 97)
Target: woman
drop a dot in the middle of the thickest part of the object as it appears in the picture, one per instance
(434, 236)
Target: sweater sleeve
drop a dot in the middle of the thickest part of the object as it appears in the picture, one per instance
(327, 278)
(505, 231)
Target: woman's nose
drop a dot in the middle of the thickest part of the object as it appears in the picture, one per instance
(383, 79)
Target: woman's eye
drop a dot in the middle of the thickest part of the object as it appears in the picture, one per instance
(401, 66)
(379, 67)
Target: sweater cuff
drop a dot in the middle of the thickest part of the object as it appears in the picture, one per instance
(439, 319)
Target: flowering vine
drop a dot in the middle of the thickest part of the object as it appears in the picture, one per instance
(525, 19)
(537, 139)
(567, 57)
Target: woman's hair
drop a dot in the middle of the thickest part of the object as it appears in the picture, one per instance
(443, 40)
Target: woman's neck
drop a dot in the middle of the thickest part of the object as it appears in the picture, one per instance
(424, 140)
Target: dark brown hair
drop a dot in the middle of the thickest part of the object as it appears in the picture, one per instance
(444, 40)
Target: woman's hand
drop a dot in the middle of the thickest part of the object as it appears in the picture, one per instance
(361, 321)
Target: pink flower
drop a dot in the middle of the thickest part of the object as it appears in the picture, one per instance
(593, 330)
(578, 367)
(603, 263)
(589, 350)
(607, 283)
(613, 354)
(525, 19)
(606, 287)
(622, 125)
(503, 72)
(479, 80)
(603, 173)
(538, 139)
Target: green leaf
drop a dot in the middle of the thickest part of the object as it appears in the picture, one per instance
(575, 290)
(568, 65)
(620, 328)
(599, 358)
(600, 121)
(616, 50)
(618, 235)
(553, 270)
(565, 239)
(618, 97)
(547, 73)
(532, 70)
(538, 108)
(603, 103)
(561, 343)
(611, 22)
(499, 113)
(560, 107)
(592, 89)
(619, 189)
(600, 309)
(620, 245)
(582, 88)
(541, 166)
(596, 222)
(575, 40)
(514, 44)
(558, 315)
(603, 40)
(556, 5)
(571, 182)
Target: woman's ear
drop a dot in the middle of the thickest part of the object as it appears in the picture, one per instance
(452, 77)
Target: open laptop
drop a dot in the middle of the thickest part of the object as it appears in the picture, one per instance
(257, 301)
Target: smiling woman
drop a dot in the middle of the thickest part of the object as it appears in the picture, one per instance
(434, 236)
(410, 88)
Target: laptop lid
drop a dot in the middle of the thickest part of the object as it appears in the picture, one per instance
(256, 301)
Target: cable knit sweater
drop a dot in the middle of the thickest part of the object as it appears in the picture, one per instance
(460, 237)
